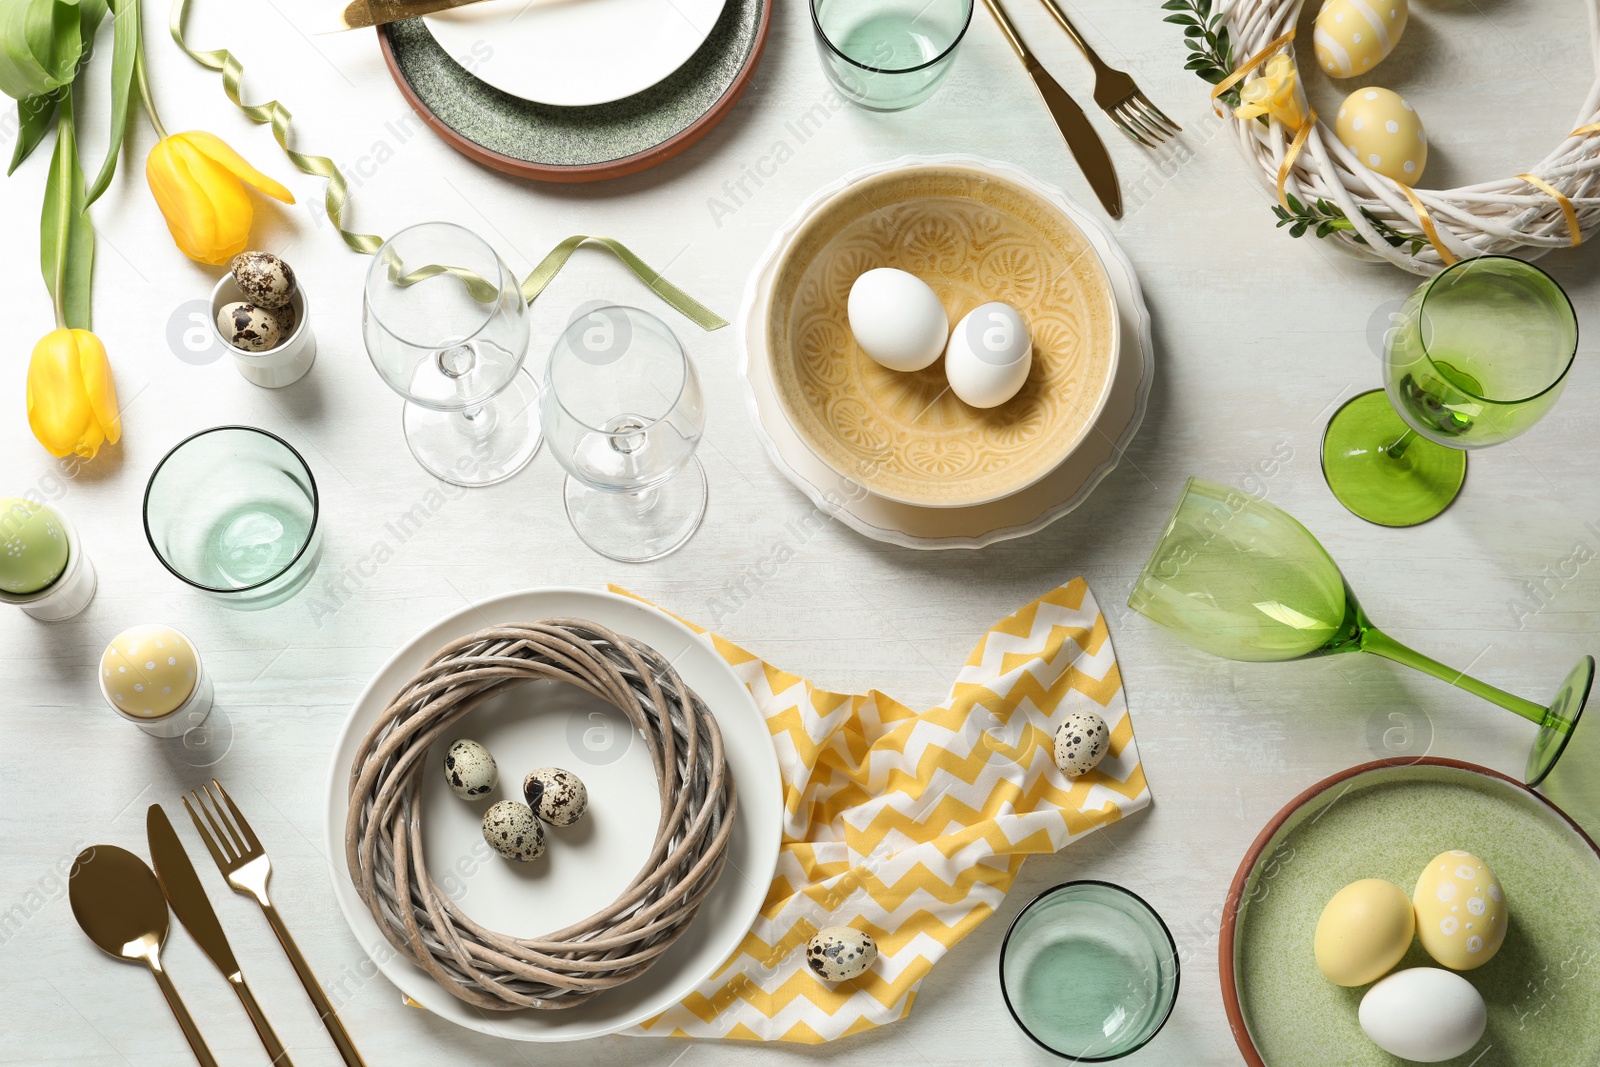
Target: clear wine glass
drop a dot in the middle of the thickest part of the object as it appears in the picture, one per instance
(446, 327)
(1480, 354)
(623, 410)
(1239, 578)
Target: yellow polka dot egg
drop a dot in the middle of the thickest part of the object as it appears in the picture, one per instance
(1461, 910)
(1384, 133)
(1353, 36)
(149, 671)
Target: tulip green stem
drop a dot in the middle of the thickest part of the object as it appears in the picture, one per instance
(144, 92)
(67, 135)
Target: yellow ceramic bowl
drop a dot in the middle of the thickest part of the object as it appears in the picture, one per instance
(974, 236)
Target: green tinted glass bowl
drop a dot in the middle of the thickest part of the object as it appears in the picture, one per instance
(1089, 971)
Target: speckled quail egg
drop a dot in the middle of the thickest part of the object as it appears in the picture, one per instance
(512, 830)
(267, 280)
(557, 796)
(469, 769)
(1082, 741)
(288, 318)
(248, 328)
(840, 953)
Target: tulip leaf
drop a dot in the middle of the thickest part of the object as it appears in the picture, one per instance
(42, 43)
(126, 50)
(66, 237)
(35, 115)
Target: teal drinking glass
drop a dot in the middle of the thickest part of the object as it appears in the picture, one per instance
(233, 511)
(1481, 352)
(1089, 971)
(1235, 576)
(888, 55)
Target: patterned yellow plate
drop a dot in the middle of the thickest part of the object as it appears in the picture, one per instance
(974, 236)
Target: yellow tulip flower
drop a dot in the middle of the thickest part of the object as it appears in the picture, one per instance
(198, 182)
(72, 403)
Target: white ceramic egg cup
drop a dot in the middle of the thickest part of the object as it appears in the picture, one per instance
(72, 590)
(186, 716)
(276, 367)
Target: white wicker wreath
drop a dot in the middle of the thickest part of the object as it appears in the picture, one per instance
(1509, 216)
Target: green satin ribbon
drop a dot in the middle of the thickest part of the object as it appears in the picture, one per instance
(337, 200)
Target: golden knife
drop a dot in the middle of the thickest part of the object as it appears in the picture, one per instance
(181, 886)
(1086, 146)
(364, 13)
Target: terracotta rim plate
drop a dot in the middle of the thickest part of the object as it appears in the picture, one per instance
(576, 53)
(576, 144)
(585, 865)
(1387, 819)
(1018, 515)
(974, 235)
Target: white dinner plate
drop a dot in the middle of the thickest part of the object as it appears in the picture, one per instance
(574, 53)
(586, 865)
(1023, 513)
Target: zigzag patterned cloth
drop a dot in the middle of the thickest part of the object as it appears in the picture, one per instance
(912, 825)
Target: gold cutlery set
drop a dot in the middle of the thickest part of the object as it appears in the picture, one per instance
(1115, 93)
(122, 905)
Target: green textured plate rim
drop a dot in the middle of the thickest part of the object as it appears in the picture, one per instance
(576, 144)
(1227, 950)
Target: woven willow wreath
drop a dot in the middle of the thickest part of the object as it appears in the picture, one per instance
(383, 832)
(1336, 196)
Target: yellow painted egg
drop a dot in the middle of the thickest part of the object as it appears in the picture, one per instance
(149, 671)
(1384, 132)
(1363, 932)
(1461, 910)
(1353, 36)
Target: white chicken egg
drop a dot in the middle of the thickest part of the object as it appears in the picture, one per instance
(1424, 1014)
(897, 319)
(989, 355)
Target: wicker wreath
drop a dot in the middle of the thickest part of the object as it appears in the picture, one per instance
(1430, 228)
(383, 832)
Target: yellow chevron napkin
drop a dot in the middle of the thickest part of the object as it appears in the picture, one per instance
(912, 825)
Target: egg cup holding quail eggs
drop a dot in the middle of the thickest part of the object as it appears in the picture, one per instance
(840, 953)
(469, 769)
(557, 796)
(1082, 741)
(265, 318)
(512, 830)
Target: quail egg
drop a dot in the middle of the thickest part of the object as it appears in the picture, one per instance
(840, 953)
(248, 328)
(1082, 741)
(557, 796)
(267, 280)
(512, 830)
(288, 319)
(469, 769)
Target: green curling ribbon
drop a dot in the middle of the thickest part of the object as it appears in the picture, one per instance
(337, 199)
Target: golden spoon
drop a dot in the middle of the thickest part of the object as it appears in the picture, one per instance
(118, 902)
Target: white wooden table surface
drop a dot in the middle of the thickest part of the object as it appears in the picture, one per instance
(1258, 338)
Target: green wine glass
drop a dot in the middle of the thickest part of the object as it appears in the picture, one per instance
(1480, 354)
(1239, 578)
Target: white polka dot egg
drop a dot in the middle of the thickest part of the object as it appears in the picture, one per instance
(149, 671)
(1353, 36)
(1461, 910)
(1384, 133)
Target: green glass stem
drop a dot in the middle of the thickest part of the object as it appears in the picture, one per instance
(1379, 643)
(1398, 449)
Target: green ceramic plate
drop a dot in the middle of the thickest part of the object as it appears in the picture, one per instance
(1386, 820)
(577, 143)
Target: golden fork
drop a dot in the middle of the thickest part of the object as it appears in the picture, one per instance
(244, 863)
(1117, 94)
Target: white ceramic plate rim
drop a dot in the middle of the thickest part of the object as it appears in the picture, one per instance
(1130, 305)
(724, 919)
(546, 56)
